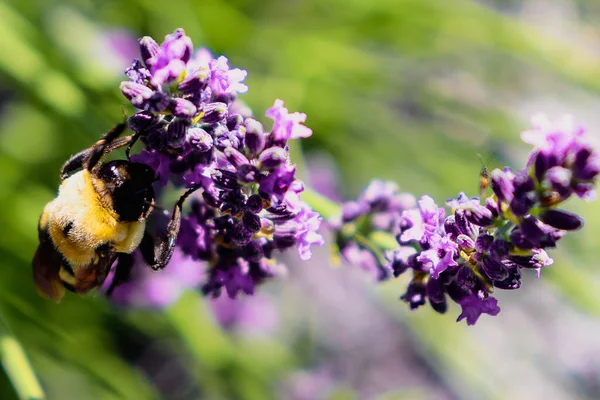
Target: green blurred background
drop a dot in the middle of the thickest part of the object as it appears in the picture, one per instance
(409, 90)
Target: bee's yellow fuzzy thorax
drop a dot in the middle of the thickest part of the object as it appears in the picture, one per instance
(79, 221)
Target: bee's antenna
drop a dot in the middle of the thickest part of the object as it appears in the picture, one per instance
(124, 112)
(487, 160)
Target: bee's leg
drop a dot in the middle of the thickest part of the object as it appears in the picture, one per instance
(122, 272)
(75, 163)
(101, 146)
(90, 156)
(131, 142)
(158, 253)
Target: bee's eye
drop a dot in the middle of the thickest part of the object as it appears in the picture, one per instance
(114, 172)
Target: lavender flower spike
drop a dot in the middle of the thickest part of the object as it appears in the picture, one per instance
(247, 207)
(482, 245)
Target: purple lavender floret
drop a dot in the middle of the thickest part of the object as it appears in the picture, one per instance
(258, 210)
(247, 207)
(479, 247)
(474, 305)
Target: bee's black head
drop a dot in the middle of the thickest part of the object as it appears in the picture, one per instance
(129, 186)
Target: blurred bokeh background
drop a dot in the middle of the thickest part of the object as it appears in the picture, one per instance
(408, 90)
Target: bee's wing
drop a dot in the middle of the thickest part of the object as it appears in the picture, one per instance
(46, 267)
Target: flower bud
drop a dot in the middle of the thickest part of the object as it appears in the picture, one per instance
(465, 278)
(210, 199)
(178, 45)
(415, 295)
(463, 225)
(225, 179)
(483, 243)
(435, 291)
(512, 281)
(586, 165)
(182, 108)
(199, 140)
(456, 291)
(233, 121)
(195, 82)
(251, 222)
(220, 134)
(523, 183)
(494, 269)
(479, 215)
(138, 73)
(502, 184)
(560, 179)
(255, 138)
(254, 204)
(241, 235)
(541, 165)
(492, 205)
(149, 49)
(215, 113)
(540, 259)
(176, 132)
(248, 173)
(561, 219)
(521, 204)
(137, 93)
(531, 231)
(465, 242)
(499, 249)
(520, 240)
(440, 307)
(537, 260)
(272, 158)
(158, 102)
(236, 158)
(141, 121)
(450, 227)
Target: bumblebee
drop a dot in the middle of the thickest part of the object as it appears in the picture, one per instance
(99, 217)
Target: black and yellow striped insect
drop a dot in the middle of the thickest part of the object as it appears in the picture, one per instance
(99, 217)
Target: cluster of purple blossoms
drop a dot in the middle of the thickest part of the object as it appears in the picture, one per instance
(378, 208)
(198, 135)
(479, 247)
(247, 204)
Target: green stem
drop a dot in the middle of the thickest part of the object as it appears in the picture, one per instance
(369, 245)
(384, 240)
(329, 209)
(503, 230)
(321, 204)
